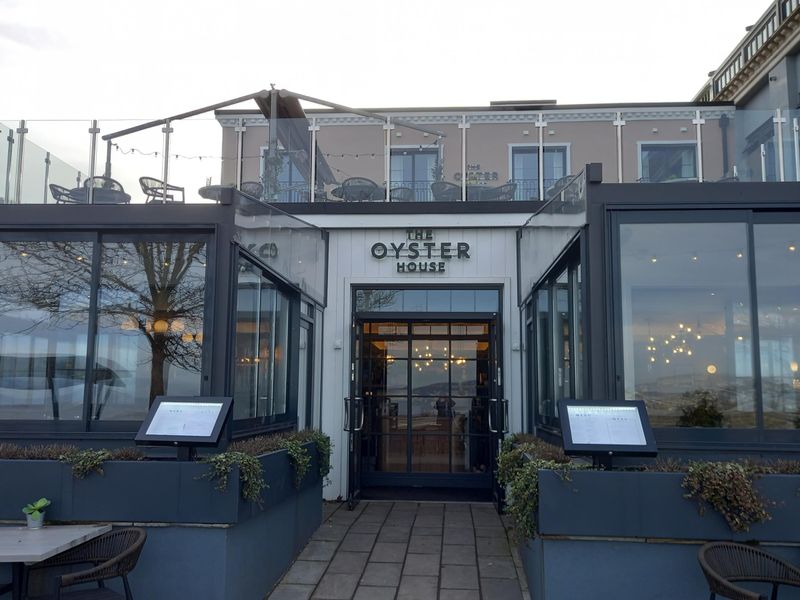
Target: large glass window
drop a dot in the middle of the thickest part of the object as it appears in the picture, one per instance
(149, 326)
(686, 327)
(556, 338)
(777, 258)
(668, 162)
(262, 340)
(150, 299)
(45, 290)
(525, 169)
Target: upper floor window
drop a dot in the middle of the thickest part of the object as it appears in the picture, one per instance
(525, 169)
(415, 168)
(668, 162)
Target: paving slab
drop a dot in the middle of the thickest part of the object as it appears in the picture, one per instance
(459, 577)
(291, 591)
(336, 586)
(307, 572)
(382, 574)
(422, 564)
(393, 552)
(348, 562)
(417, 587)
(375, 593)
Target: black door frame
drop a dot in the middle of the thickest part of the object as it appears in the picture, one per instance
(448, 480)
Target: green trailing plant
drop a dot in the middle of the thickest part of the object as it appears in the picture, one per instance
(299, 457)
(85, 462)
(702, 412)
(728, 488)
(35, 510)
(324, 449)
(251, 474)
(518, 465)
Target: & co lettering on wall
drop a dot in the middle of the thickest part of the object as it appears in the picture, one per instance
(420, 253)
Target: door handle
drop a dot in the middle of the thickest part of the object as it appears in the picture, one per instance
(360, 406)
(504, 402)
(346, 425)
(492, 428)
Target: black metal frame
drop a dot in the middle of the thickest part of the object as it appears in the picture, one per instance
(97, 236)
(452, 480)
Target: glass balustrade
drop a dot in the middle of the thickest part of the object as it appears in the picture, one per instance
(341, 157)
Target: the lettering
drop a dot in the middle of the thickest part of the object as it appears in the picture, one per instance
(413, 251)
(429, 246)
(462, 250)
(397, 248)
(444, 250)
(379, 250)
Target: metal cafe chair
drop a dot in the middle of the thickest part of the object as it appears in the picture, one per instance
(106, 190)
(503, 192)
(401, 194)
(252, 188)
(64, 196)
(154, 191)
(360, 189)
(113, 554)
(444, 191)
(726, 563)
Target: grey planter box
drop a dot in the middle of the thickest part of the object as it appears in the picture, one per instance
(630, 525)
(202, 543)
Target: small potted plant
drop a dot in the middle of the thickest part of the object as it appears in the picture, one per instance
(34, 513)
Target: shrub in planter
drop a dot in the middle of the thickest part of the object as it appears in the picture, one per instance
(728, 488)
(518, 465)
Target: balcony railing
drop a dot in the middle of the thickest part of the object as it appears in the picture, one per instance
(334, 156)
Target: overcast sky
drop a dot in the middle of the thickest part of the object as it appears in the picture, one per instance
(153, 58)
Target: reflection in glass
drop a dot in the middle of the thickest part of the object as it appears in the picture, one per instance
(778, 283)
(544, 376)
(44, 310)
(262, 338)
(687, 336)
(150, 325)
(561, 337)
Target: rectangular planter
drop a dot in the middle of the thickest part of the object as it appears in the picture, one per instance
(202, 543)
(629, 525)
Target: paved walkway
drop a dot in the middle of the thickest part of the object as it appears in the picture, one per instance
(406, 551)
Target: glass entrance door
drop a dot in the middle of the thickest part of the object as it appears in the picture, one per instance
(426, 388)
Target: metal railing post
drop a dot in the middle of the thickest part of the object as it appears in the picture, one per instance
(779, 120)
(166, 130)
(93, 131)
(795, 129)
(10, 140)
(540, 125)
(239, 129)
(619, 123)
(313, 128)
(463, 126)
(698, 122)
(21, 131)
(387, 158)
(763, 162)
(46, 176)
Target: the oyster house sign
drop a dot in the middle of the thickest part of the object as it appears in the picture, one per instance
(420, 253)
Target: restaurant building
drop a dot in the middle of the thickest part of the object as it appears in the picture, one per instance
(419, 283)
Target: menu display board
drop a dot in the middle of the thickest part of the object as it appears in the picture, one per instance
(614, 428)
(185, 420)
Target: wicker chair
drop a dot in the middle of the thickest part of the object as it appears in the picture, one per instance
(252, 188)
(444, 191)
(64, 196)
(401, 194)
(503, 192)
(113, 554)
(360, 189)
(105, 190)
(725, 563)
(157, 192)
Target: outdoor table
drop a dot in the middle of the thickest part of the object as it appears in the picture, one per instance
(21, 545)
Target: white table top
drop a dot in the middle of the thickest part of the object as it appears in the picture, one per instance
(20, 544)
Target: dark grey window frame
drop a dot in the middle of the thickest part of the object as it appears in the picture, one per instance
(86, 427)
(688, 436)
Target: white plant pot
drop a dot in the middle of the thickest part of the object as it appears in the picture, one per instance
(35, 523)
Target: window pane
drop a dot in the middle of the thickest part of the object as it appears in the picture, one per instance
(44, 311)
(544, 379)
(562, 338)
(687, 339)
(778, 283)
(665, 162)
(262, 338)
(149, 327)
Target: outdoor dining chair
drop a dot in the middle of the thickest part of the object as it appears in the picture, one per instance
(156, 191)
(726, 563)
(105, 190)
(360, 189)
(444, 191)
(113, 554)
(252, 188)
(63, 195)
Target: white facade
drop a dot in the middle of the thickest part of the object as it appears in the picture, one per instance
(492, 260)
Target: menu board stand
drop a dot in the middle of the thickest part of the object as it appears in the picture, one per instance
(185, 422)
(604, 430)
